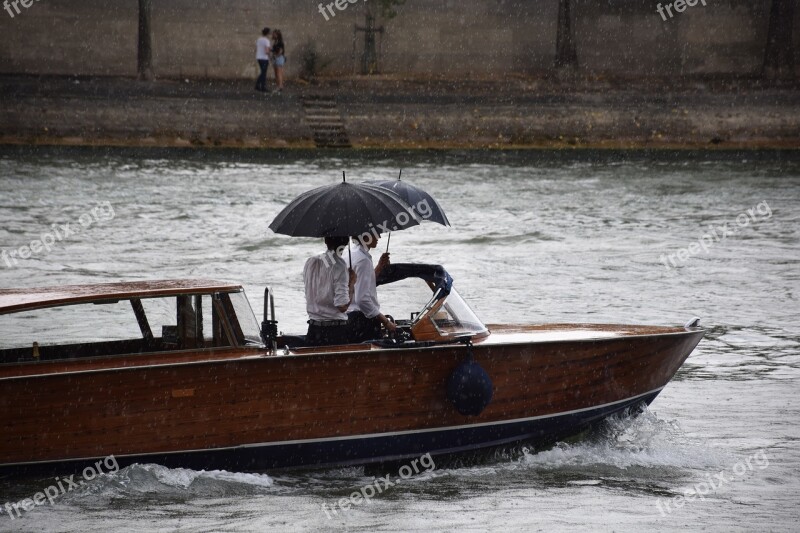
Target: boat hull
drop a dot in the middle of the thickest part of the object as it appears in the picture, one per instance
(342, 407)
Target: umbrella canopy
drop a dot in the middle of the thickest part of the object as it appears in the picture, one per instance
(344, 209)
(423, 203)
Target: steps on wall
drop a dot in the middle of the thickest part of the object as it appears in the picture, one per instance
(325, 121)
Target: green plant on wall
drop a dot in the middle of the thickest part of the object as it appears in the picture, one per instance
(311, 62)
(386, 8)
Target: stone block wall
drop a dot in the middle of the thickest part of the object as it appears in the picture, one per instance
(457, 38)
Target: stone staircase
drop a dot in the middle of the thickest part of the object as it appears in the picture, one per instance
(325, 121)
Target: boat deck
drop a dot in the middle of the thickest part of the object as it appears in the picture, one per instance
(524, 334)
(500, 335)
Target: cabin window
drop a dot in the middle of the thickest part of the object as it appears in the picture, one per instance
(247, 330)
(74, 324)
(129, 326)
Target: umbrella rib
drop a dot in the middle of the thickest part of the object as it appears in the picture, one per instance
(309, 204)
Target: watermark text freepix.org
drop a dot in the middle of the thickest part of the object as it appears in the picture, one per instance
(422, 210)
(8, 4)
(340, 5)
(62, 486)
(713, 483)
(678, 5)
(58, 232)
(717, 234)
(379, 485)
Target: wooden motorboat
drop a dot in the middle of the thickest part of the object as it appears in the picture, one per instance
(181, 373)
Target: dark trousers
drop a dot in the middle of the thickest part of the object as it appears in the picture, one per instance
(363, 328)
(327, 335)
(261, 82)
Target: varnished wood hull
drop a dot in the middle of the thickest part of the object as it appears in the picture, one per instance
(255, 411)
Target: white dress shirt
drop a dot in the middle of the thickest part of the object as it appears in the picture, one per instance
(365, 297)
(326, 281)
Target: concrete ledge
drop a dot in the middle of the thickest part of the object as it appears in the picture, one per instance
(403, 113)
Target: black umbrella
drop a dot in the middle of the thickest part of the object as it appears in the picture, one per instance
(344, 209)
(423, 204)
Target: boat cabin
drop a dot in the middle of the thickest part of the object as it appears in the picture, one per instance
(80, 321)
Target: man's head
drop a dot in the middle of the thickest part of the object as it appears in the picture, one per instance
(265, 32)
(368, 239)
(336, 244)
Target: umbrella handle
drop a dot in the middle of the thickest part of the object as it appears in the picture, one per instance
(389, 239)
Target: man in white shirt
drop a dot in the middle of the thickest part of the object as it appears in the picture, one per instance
(263, 48)
(329, 291)
(364, 314)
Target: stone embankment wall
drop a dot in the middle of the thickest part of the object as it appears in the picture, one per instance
(463, 38)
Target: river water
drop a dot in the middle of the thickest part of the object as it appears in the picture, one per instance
(537, 236)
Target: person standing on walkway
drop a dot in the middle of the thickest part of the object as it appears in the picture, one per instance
(263, 49)
(278, 58)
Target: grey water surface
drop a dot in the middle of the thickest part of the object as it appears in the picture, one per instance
(537, 236)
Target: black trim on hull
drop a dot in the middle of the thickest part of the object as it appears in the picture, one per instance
(371, 449)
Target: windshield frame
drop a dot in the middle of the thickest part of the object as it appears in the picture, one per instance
(459, 320)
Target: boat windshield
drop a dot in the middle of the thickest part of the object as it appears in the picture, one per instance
(453, 318)
(444, 317)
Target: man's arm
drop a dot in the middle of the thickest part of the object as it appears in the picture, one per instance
(370, 306)
(351, 287)
(388, 324)
(383, 262)
(343, 283)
